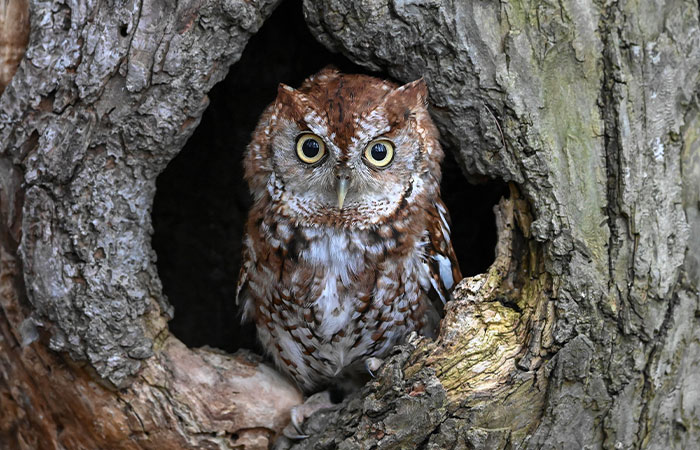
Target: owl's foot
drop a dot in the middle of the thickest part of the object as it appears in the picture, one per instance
(300, 413)
(373, 364)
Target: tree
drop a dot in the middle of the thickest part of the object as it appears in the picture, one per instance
(583, 333)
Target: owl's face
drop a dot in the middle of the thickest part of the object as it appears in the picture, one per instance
(344, 149)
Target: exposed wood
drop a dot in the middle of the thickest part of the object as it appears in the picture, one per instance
(14, 34)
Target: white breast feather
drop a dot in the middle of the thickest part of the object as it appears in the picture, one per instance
(331, 252)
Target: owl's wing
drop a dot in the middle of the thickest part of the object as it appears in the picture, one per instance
(243, 300)
(441, 261)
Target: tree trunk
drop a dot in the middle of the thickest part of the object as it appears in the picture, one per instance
(107, 94)
(584, 333)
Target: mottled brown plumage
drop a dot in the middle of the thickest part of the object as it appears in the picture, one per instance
(345, 244)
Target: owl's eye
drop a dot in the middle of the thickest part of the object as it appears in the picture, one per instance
(379, 153)
(310, 148)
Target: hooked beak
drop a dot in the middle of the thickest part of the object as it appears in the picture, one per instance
(343, 184)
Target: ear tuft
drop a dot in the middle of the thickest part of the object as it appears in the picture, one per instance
(413, 94)
(417, 91)
(287, 95)
(330, 69)
(328, 72)
(284, 87)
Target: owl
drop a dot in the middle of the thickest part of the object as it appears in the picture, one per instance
(347, 245)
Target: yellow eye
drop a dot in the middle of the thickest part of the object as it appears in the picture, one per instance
(379, 152)
(310, 148)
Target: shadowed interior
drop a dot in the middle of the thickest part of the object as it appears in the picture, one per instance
(202, 200)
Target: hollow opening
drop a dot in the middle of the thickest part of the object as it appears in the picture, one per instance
(202, 200)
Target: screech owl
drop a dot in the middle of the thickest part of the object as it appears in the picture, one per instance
(347, 244)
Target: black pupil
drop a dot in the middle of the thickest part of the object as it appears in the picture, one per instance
(310, 148)
(379, 152)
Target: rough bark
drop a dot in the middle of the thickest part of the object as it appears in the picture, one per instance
(107, 93)
(583, 333)
(591, 107)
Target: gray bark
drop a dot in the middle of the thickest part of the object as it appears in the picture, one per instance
(107, 94)
(592, 109)
(104, 99)
(583, 334)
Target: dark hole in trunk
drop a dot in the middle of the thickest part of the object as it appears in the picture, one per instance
(202, 200)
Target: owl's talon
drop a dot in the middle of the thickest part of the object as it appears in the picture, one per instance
(292, 432)
(300, 413)
(372, 365)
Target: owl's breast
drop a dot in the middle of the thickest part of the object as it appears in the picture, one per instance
(335, 252)
(366, 297)
(337, 297)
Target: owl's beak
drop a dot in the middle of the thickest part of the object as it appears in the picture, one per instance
(342, 187)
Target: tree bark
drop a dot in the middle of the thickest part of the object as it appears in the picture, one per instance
(589, 336)
(584, 333)
(106, 95)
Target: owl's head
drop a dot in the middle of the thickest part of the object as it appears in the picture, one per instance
(347, 150)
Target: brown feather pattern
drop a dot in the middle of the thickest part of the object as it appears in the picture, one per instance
(329, 287)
